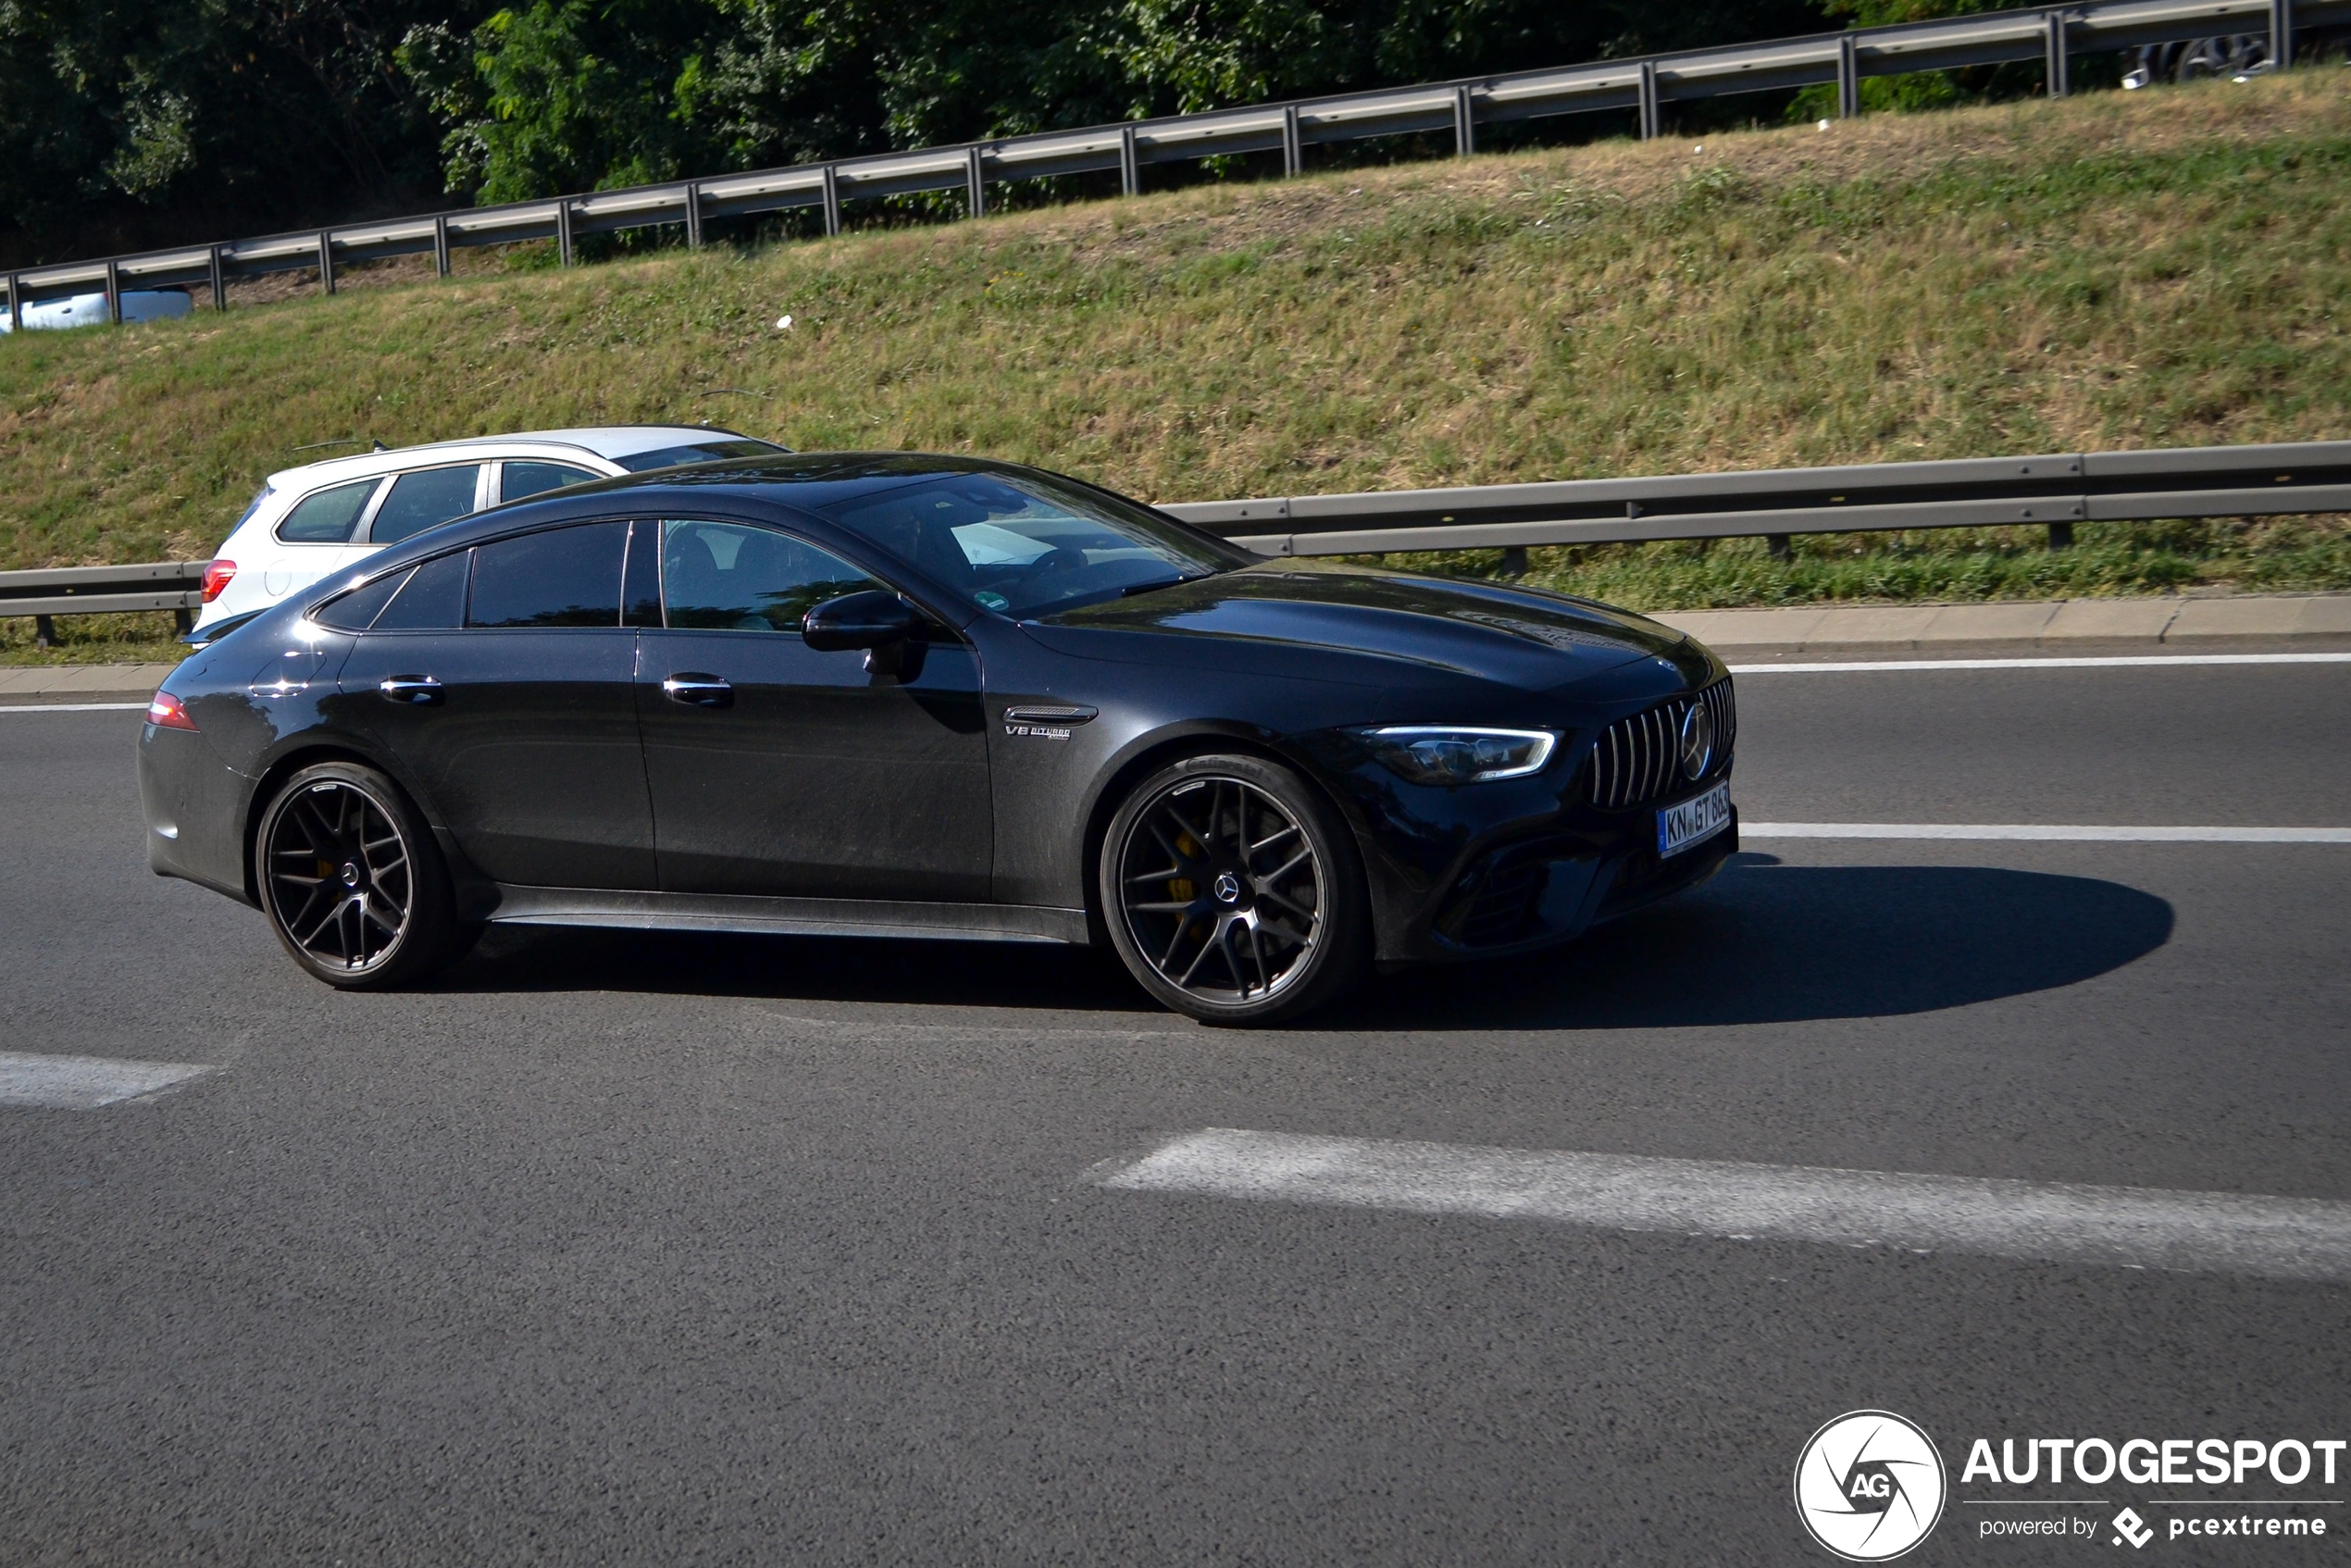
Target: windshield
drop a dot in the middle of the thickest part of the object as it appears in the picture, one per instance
(697, 451)
(1023, 545)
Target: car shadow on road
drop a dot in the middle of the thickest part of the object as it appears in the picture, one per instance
(1762, 943)
(915, 972)
(1766, 942)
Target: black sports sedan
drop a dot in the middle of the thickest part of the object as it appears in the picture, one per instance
(901, 695)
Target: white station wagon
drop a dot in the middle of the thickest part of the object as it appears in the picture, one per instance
(310, 522)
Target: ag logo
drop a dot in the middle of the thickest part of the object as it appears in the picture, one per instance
(1870, 1486)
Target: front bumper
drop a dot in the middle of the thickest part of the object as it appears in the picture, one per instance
(1539, 892)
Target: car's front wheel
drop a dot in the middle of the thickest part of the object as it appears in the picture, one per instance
(352, 881)
(1233, 892)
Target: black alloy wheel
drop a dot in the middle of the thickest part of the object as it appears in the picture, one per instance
(352, 881)
(1233, 892)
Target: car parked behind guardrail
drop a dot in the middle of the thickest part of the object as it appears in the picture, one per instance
(90, 310)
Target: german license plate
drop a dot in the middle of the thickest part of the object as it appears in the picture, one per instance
(1693, 821)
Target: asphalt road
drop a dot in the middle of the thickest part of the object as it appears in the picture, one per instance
(627, 1248)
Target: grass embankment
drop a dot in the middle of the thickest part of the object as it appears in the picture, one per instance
(2165, 268)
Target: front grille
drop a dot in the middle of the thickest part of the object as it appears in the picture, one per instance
(1638, 760)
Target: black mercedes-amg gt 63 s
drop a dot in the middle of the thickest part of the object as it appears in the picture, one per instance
(899, 695)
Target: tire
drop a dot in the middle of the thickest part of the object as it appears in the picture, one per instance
(352, 881)
(1233, 891)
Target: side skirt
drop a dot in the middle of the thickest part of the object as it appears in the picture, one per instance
(804, 917)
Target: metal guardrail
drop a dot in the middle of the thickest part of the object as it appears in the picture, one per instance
(87, 591)
(2055, 492)
(2048, 33)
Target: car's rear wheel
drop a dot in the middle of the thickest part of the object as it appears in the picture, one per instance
(352, 881)
(1233, 891)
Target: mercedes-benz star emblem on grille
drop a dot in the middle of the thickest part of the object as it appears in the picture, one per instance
(1698, 741)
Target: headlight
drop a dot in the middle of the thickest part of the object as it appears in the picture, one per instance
(1446, 753)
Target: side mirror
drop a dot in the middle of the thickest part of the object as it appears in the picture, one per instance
(877, 621)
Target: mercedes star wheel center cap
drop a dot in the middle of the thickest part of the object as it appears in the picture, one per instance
(1228, 887)
(350, 874)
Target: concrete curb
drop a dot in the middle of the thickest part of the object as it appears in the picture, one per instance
(1806, 628)
(2066, 623)
(59, 682)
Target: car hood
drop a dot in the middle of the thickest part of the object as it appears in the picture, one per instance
(1520, 637)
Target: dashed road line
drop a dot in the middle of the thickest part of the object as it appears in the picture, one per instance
(73, 707)
(2044, 832)
(2117, 661)
(2050, 1221)
(85, 1083)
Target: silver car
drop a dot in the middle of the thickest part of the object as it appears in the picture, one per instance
(310, 522)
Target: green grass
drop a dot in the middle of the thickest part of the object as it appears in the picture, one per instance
(2163, 267)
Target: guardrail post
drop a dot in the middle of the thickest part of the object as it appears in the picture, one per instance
(1464, 125)
(2059, 74)
(45, 633)
(832, 202)
(563, 232)
(693, 215)
(1130, 168)
(1649, 119)
(974, 181)
(441, 244)
(1514, 560)
(2281, 33)
(114, 293)
(2060, 536)
(1782, 546)
(219, 282)
(1293, 149)
(182, 621)
(1848, 79)
(16, 303)
(327, 260)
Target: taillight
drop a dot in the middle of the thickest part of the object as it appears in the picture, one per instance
(216, 577)
(164, 713)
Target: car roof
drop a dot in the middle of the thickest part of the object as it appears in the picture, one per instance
(802, 479)
(809, 479)
(611, 443)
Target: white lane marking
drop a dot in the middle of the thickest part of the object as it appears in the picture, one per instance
(84, 1083)
(2115, 662)
(73, 708)
(2046, 832)
(2049, 1222)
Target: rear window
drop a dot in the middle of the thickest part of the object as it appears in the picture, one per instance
(433, 598)
(698, 451)
(423, 500)
(357, 610)
(537, 478)
(328, 517)
(560, 577)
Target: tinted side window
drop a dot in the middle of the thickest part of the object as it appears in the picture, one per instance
(422, 501)
(721, 576)
(328, 517)
(534, 479)
(561, 577)
(697, 451)
(434, 598)
(357, 610)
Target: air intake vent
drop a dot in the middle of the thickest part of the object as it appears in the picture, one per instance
(1637, 761)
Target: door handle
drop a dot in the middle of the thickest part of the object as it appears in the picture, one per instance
(699, 691)
(412, 690)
